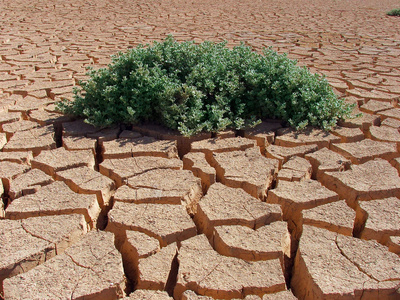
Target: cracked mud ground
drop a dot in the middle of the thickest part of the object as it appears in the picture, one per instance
(138, 213)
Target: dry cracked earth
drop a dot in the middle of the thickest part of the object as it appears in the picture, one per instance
(140, 213)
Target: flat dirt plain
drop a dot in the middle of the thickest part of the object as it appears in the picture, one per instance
(128, 213)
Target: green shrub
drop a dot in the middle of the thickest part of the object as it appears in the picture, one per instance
(205, 87)
(394, 12)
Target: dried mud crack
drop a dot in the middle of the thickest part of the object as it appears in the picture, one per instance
(138, 212)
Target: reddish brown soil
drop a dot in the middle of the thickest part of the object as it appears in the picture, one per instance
(122, 214)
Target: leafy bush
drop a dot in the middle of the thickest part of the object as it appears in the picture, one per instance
(205, 87)
(394, 12)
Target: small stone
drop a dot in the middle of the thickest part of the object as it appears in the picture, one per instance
(233, 206)
(165, 222)
(288, 137)
(197, 163)
(154, 270)
(365, 150)
(218, 145)
(120, 170)
(28, 183)
(207, 273)
(246, 169)
(54, 199)
(61, 159)
(84, 180)
(91, 268)
(284, 153)
(336, 216)
(375, 179)
(35, 140)
(326, 160)
(143, 146)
